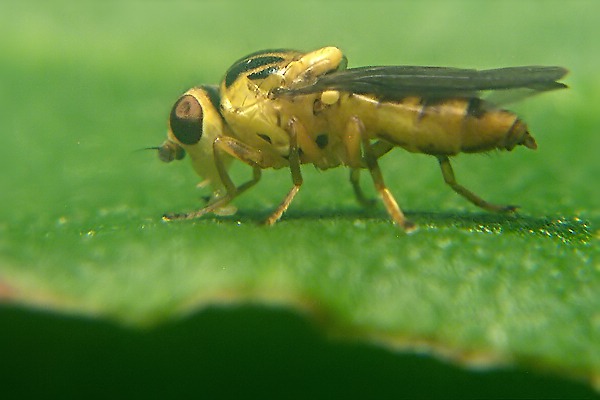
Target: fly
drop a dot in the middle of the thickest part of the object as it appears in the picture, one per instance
(284, 108)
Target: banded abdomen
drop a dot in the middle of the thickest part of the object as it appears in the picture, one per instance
(439, 127)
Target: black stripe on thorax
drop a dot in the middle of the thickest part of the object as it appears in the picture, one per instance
(249, 64)
(263, 73)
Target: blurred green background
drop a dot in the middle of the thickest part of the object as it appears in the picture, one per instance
(322, 302)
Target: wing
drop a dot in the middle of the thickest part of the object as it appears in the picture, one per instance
(395, 82)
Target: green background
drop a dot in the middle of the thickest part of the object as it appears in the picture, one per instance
(99, 295)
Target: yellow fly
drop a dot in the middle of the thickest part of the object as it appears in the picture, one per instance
(284, 108)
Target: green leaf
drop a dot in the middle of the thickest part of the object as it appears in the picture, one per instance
(86, 85)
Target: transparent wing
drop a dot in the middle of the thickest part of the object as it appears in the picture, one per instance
(394, 82)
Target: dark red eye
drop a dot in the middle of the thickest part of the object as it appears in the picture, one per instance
(186, 120)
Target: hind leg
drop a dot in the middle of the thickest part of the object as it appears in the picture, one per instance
(355, 128)
(448, 174)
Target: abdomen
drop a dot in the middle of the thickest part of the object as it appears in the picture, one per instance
(441, 127)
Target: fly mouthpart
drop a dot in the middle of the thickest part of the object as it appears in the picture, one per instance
(168, 151)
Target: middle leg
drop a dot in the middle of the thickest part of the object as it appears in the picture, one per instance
(294, 159)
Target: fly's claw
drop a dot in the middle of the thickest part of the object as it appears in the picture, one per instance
(510, 209)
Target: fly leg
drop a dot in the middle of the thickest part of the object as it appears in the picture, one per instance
(295, 129)
(242, 152)
(379, 148)
(354, 158)
(370, 156)
(449, 178)
(358, 192)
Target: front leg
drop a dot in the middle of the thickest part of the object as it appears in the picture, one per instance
(251, 156)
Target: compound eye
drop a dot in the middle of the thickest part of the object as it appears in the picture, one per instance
(186, 120)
